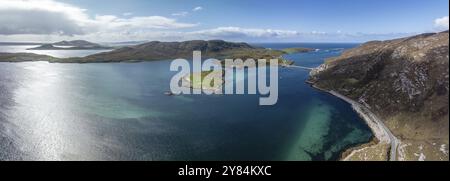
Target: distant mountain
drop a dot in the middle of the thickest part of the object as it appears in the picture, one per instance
(405, 82)
(171, 50)
(71, 45)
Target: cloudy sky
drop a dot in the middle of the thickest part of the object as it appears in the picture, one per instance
(233, 20)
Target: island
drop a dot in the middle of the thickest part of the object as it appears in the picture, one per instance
(156, 50)
(72, 45)
(298, 50)
(215, 87)
(401, 89)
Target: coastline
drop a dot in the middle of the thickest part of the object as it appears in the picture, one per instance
(382, 135)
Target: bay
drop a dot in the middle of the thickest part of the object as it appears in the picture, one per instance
(118, 111)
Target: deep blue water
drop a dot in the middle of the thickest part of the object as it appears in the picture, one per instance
(118, 111)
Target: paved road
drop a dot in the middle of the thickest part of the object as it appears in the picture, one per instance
(302, 67)
(394, 142)
(392, 139)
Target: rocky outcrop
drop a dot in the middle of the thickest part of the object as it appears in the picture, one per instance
(405, 82)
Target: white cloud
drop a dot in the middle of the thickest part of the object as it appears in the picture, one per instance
(441, 23)
(49, 20)
(198, 8)
(52, 17)
(41, 17)
(184, 13)
(318, 32)
(127, 14)
(111, 23)
(237, 32)
(225, 33)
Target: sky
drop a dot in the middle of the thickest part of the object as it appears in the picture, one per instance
(232, 20)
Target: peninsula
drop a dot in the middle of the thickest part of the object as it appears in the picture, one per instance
(25, 57)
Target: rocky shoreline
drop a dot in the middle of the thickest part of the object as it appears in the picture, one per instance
(381, 137)
(380, 131)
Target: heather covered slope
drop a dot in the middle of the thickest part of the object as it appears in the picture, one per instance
(171, 50)
(405, 81)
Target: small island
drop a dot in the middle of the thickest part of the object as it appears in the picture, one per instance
(298, 50)
(215, 87)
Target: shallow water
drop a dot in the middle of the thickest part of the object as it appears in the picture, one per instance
(118, 111)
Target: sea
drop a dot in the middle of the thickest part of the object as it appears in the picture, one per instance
(119, 111)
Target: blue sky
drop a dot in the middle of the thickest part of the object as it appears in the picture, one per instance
(234, 20)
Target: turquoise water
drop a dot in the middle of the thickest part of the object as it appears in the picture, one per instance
(118, 111)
